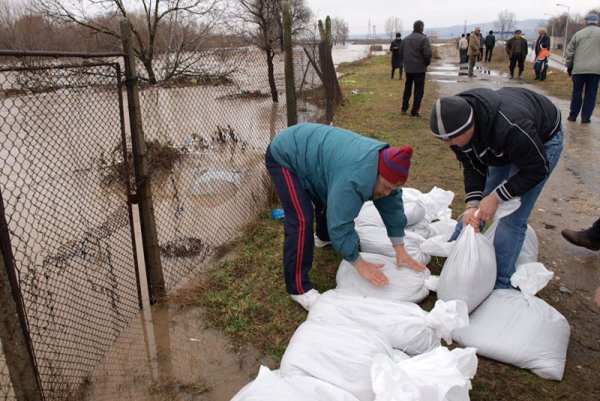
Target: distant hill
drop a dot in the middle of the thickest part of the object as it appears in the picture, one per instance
(528, 26)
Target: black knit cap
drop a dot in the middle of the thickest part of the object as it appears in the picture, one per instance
(450, 117)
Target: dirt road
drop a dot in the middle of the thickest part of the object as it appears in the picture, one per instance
(571, 199)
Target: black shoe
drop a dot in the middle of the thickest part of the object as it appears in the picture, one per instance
(571, 118)
(581, 238)
(415, 114)
(403, 111)
(585, 121)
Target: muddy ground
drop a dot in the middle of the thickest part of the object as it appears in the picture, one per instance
(570, 199)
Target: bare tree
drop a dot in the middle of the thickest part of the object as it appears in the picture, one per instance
(505, 22)
(150, 20)
(392, 26)
(259, 22)
(339, 28)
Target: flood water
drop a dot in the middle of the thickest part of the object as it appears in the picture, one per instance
(71, 235)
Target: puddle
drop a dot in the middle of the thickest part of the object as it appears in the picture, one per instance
(168, 354)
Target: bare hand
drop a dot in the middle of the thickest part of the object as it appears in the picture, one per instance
(470, 217)
(487, 207)
(404, 259)
(371, 271)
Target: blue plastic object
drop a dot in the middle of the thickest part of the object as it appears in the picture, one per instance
(277, 214)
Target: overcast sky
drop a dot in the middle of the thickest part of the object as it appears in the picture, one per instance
(438, 13)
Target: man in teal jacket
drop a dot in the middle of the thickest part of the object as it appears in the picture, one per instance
(329, 172)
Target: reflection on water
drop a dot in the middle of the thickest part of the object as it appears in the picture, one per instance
(180, 360)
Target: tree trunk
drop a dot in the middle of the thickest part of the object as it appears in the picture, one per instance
(271, 71)
(147, 62)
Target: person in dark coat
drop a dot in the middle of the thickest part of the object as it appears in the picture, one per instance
(508, 142)
(416, 55)
(543, 40)
(516, 48)
(480, 55)
(490, 42)
(396, 56)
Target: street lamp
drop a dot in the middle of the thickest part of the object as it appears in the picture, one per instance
(566, 26)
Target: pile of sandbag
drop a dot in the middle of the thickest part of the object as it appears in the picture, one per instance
(373, 343)
(344, 332)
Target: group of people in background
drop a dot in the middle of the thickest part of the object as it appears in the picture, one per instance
(471, 45)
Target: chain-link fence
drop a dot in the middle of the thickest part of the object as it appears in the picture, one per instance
(68, 221)
(209, 138)
(65, 178)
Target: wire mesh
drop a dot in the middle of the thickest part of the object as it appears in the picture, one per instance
(67, 214)
(6, 390)
(62, 174)
(214, 131)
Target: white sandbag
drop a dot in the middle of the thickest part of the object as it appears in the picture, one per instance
(440, 245)
(341, 355)
(436, 203)
(405, 325)
(442, 227)
(404, 284)
(375, 240)
(439, 375)
(522, 330)
(529, 251)
(469, 273)
(270, 386)
(369, 215)
(421, 228)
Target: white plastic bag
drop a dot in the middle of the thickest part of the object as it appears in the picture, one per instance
(404, 284)
(405, 325)
(341, 355)
(529, 251)
(469, 273)
(439, 375)
(270, 386)
(531, 278)
(521, 330)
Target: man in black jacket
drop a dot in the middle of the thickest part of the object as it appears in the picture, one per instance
(396, 55)
(490, 42)
(508, 142)
(416, 55)
(516, 48)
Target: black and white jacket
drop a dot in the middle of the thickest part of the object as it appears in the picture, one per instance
(511, 126)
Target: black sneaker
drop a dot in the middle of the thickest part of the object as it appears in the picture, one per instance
(585, 121)
(571, 118)
(415, 114)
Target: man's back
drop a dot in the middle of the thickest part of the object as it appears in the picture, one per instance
(583, 52)
(416, 52)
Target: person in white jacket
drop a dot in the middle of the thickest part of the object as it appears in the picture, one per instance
(583, 66)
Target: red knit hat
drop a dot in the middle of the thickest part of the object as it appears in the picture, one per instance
(394, 164)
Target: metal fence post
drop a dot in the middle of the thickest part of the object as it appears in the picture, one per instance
(156, 282)
(290, 87)
(16, 343)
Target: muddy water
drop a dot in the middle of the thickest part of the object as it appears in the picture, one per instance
(570, 199)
